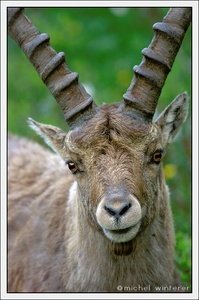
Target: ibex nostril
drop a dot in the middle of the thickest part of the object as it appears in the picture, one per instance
(110, 210)
(117, 211)
(124, 209)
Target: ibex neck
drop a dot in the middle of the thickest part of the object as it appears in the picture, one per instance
(97, 269)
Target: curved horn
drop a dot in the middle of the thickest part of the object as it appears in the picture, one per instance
(149, 78)
(73, 99)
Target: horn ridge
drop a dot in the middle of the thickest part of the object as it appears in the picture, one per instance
(54, 63)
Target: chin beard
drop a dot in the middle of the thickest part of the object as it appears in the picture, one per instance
(123, 249)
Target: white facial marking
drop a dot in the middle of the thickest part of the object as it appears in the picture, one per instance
(72, 192)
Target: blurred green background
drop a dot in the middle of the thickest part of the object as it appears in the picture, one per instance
(103, 45)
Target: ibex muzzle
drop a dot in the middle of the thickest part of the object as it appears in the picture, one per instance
(119, 215)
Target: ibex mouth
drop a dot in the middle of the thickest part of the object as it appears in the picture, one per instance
(121, 231)
(122, 235)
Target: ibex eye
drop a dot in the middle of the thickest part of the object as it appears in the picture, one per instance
(72, 167)
(156, 157)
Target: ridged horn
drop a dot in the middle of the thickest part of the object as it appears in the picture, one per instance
(149, 77)
(64, 85)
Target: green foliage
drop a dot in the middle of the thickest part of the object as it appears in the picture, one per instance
(183, 257)
(103, 45)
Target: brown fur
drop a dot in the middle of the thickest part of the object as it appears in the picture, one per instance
(56, 243)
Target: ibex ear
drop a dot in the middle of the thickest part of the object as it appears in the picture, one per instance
(172, 118)
(53, 136)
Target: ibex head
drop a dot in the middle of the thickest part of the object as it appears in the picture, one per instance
(116, 162)
(113, 151)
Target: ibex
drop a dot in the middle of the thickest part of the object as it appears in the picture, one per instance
(104, 225)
